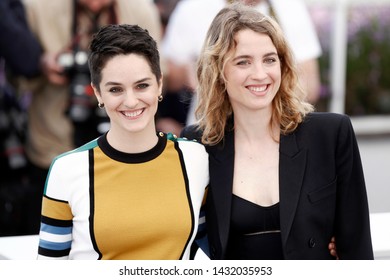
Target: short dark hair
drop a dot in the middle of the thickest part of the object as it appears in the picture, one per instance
(121, 39)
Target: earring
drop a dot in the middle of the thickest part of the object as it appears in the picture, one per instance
(160, 98)
(101, 105)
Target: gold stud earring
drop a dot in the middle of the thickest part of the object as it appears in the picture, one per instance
(101, 105)
(160, 98)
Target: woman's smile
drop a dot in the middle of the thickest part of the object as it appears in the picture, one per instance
(133, 113)
(259, 90)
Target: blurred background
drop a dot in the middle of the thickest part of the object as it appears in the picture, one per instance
(355, 78)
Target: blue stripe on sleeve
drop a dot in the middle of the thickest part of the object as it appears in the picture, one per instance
(54, 245)
(55, 230)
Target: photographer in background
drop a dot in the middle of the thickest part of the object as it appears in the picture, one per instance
(19, 56)
(62, 114)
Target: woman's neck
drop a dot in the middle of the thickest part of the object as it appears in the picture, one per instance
(132, 142)
(255, 127)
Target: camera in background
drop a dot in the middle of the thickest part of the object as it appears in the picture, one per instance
(89, 120)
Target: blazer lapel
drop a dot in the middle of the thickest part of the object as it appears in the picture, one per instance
(292, 164)
(222, 167)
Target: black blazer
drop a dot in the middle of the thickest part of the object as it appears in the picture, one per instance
(322, 191)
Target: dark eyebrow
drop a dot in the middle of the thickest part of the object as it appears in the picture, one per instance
(117, 84)
(143, 80)
(112, 84)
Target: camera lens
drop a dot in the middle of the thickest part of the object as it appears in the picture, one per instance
(66, 60)
(81, 58)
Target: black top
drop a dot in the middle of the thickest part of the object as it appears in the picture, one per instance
(322, 190)
(255, 231)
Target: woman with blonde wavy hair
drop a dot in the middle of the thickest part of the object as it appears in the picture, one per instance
(284, 180)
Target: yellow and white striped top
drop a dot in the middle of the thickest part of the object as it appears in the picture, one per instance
(100, 203)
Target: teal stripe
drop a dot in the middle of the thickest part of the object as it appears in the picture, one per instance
(88, 146)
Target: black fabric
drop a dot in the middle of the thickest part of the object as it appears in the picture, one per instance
(321, 153)
(255, 231)
(175, 105)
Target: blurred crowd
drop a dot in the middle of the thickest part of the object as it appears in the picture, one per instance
(46, 103)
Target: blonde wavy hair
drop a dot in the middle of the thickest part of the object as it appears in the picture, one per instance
(214, 108)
